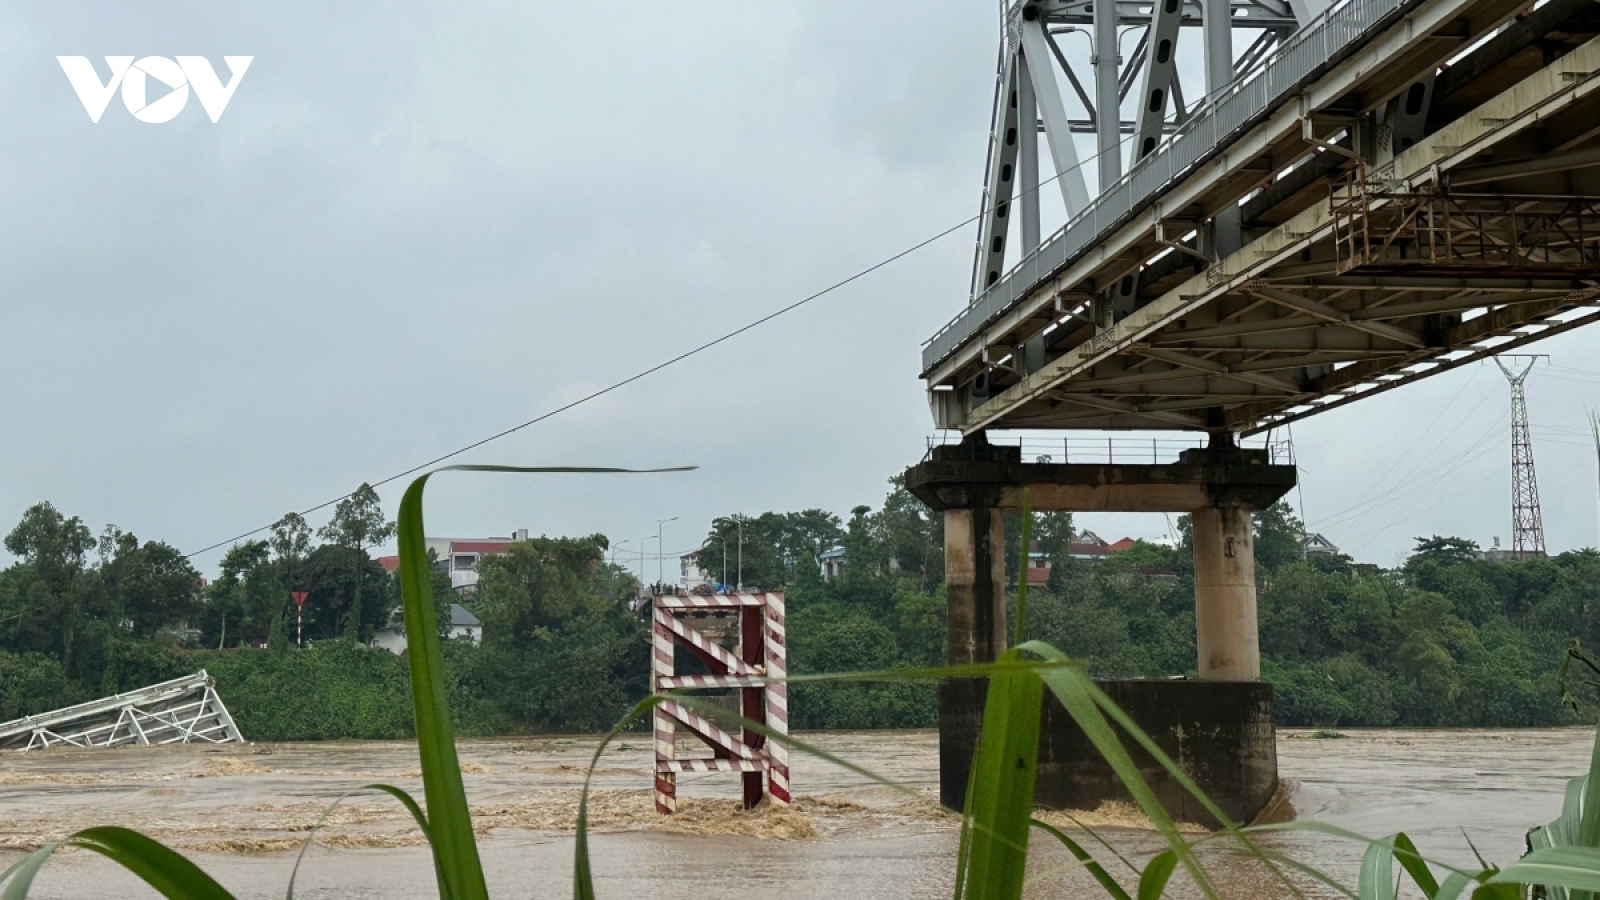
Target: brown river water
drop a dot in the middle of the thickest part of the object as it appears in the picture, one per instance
(243, 811)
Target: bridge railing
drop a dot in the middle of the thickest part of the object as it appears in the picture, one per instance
(1126, 450)
(1225, 115)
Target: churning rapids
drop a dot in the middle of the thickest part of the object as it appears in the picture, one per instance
(242, 812)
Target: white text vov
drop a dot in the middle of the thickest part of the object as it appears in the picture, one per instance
(133, 77)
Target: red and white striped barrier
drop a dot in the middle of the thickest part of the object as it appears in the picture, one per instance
(756, 669)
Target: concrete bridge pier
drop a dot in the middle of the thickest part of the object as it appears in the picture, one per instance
(1218, 726)
(1226, 634)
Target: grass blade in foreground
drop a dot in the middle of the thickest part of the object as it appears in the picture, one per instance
(1074, 689)
(1377, 872)
(1577, 827)
(1573, 868)
(405, 799)
(455, 849)
(1000, 795)
(1107, 883)
(169, 873)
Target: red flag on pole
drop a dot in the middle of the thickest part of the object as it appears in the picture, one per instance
(299, 597)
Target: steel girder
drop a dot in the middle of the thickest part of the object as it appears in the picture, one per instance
(1311, 315)
(1029, 98)
(1351, 61)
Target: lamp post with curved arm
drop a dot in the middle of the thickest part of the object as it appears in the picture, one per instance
(660, 549)
(724, 540)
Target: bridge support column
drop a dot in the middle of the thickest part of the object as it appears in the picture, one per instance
(1220, 726)
(975, 609)
(1225, 594)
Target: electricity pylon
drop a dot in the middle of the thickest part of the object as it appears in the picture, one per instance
(1527, 526)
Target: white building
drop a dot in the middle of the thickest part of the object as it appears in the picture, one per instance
(464, 626)
(460, 556)
(1314, 544)
(832, 563)
(690, 575)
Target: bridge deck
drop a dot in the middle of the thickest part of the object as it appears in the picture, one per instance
(1359, 272)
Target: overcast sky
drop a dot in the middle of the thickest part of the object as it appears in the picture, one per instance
(416, 225)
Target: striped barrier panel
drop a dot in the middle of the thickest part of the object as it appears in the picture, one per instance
(754, 670)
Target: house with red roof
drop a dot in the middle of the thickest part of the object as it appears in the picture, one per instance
(1085, 545)
(460, 556)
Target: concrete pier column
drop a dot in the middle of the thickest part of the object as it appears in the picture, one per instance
(975, 585)
(1225, 594)
(1219, 727)
(975, 607)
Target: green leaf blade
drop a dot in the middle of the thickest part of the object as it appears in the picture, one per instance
(165, 870)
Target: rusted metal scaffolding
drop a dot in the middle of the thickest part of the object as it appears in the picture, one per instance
(754, 670)
(1377, 229)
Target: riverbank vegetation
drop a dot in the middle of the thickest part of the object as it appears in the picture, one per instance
(1446, 639)
(992, 859)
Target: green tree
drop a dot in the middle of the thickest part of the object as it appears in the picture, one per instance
(763, 551)
(329, 576)
(1278, 537)
(153, 584)
(291, 538)
(358, 522)
(550, 611)
(244, 602)
(49, 596)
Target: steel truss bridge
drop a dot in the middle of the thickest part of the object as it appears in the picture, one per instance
(181, 711)
(1366, 195)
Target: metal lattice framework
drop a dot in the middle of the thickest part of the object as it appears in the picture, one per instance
(755, 671)
(181, 711)
(1390, 190)
(1029, 101)
(1378, 230)
(1527, 524)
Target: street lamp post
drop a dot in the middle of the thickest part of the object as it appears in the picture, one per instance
(661, 550)
(647, 539)
(724, 540)
(614, 548)
(741, 554)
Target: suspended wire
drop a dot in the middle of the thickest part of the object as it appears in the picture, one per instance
(1443, 471)
(1450, 468)
(1425, 488)
(1369, 500)
(645, 373)
(1373, 486)
(1441, 502)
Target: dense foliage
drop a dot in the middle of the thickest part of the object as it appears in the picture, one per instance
(1446, 639)
(80, 618)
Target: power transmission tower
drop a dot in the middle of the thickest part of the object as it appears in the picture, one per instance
(1527, 526)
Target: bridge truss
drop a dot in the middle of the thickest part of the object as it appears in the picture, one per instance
(1391, 189)
(181, 711)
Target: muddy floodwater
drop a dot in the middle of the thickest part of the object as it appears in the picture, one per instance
(243, 811)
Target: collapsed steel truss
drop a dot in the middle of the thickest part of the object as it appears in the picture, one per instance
(181, 711)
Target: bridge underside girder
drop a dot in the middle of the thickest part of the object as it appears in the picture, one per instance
(1365, 264)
